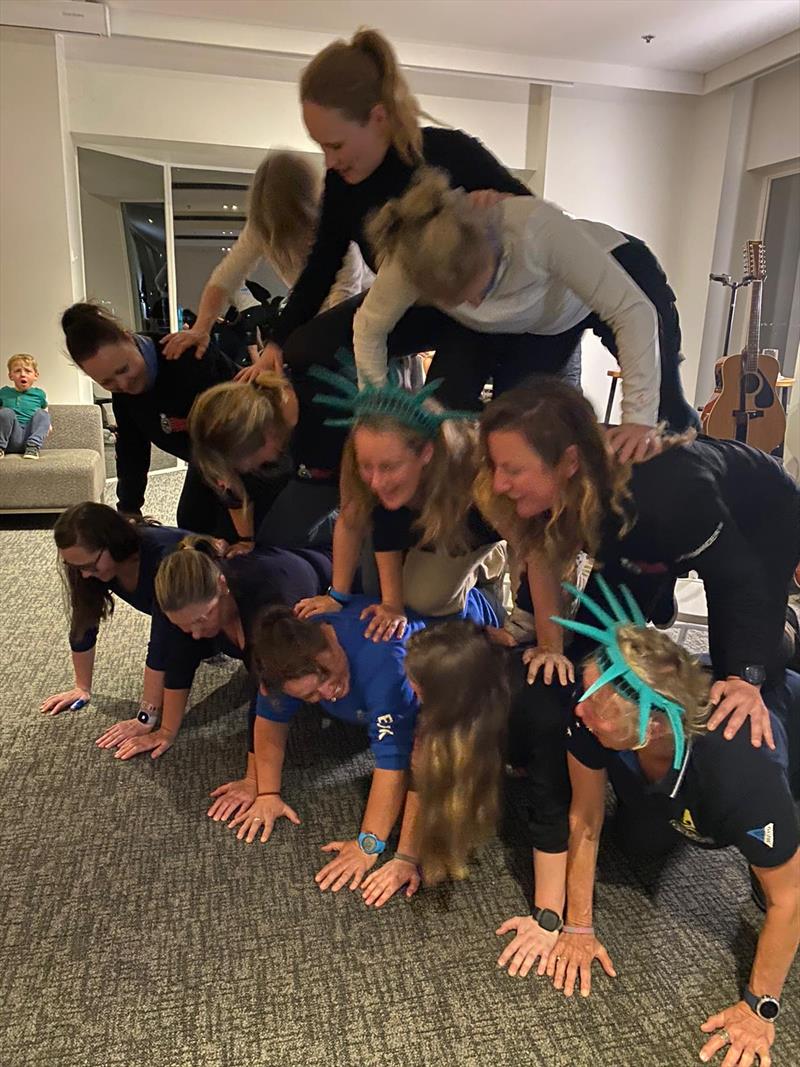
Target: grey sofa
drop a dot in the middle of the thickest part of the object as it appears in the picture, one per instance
(70, 468)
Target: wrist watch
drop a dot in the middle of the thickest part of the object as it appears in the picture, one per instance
(754, 673)
(148, 714)
(766, 1008)
(549, 920)
(370, 845)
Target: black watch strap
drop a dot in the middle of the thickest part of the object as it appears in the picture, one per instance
(549, 920)
(767, 1008)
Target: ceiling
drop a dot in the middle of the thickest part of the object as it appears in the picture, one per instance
(694, 36)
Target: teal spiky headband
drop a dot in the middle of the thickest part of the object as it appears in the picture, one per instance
(616, 669)
(389, 400)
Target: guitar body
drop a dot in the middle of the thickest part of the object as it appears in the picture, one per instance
(745, 405)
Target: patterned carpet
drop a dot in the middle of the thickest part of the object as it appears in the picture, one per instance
(136, 933)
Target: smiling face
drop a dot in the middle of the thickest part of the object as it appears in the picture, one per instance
(203, 619)
(22, 375)
(521, 474)
(353, 150)
(389, 466)
(118, 367)
(90, 562)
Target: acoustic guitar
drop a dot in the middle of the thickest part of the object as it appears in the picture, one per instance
(745, 405)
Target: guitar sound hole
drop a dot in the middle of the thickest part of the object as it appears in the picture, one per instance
(751, 383)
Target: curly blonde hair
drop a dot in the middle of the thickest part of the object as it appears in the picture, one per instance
(227, 423)
(671, 671)
(439, 238)
(354, 76)
(446, 482)
(459, 744)
(551, 416)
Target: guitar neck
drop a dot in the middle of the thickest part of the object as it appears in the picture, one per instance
(753, 349)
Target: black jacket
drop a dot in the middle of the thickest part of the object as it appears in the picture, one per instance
(346, 207)
(158, 416)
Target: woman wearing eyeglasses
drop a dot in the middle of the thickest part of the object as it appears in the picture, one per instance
(103, 555)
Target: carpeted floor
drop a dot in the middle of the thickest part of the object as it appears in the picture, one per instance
(136, 933)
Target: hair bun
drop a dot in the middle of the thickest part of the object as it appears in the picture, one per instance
(78, 314)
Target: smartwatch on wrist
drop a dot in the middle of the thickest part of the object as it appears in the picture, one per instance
(766, 1008)
(549, 920)
(754, 673)
(148, 714)
(370, 845)
(340, 598)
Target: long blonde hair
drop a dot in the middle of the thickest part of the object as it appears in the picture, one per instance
(439, 238)
(445, 485)
(671, 671)
(228, 422)
(283, 209)
(460, 740)
(189, 575)
(354, 77)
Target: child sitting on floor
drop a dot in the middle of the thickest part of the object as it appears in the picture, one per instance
(24, 418)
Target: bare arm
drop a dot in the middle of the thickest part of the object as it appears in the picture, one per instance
(270, 749)
(153, 687)
(780, 934)
(390, 574)
(545, 589)
(384, 802)
(585, 825)
(83, 668)
(348, 537)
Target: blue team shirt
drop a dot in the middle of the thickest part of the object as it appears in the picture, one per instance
(380, 697)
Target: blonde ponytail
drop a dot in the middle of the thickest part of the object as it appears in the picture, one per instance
(189, 575)
(353, 78)
(436, 234)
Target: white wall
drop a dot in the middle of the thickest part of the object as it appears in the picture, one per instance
(194, 264)
(180, 105)
(620, 156)
(775, 125)
(36, 281)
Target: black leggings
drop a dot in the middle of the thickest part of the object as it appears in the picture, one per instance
(537, 742)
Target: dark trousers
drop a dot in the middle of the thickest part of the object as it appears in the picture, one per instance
(537, 742)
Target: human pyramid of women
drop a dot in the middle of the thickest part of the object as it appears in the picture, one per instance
(358, 545)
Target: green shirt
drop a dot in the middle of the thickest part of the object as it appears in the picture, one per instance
(23, 404)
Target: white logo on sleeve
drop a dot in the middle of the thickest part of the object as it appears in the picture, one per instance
(385, 726)
(764, 834)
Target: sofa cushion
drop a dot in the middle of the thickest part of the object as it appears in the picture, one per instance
(59, 478)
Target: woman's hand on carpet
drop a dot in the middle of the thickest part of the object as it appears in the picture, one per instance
(232, 798)
(156, 743)
(262, 815)
(387, 622)
(549, 663)
(572, 958)
(530, 943)
(61, 701)
(350, 864)
(316, 605)
(382, 884)
(121, 731)
(745, 1034)
(735, 697)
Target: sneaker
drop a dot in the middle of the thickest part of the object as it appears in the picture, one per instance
(2, 453)
(31, 452)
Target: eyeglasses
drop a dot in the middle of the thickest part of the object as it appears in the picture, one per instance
(87, 568)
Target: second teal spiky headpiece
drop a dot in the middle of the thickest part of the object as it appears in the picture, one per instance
(389, 400)
(616, 669)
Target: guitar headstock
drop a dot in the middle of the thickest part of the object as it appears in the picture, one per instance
(755, 260)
